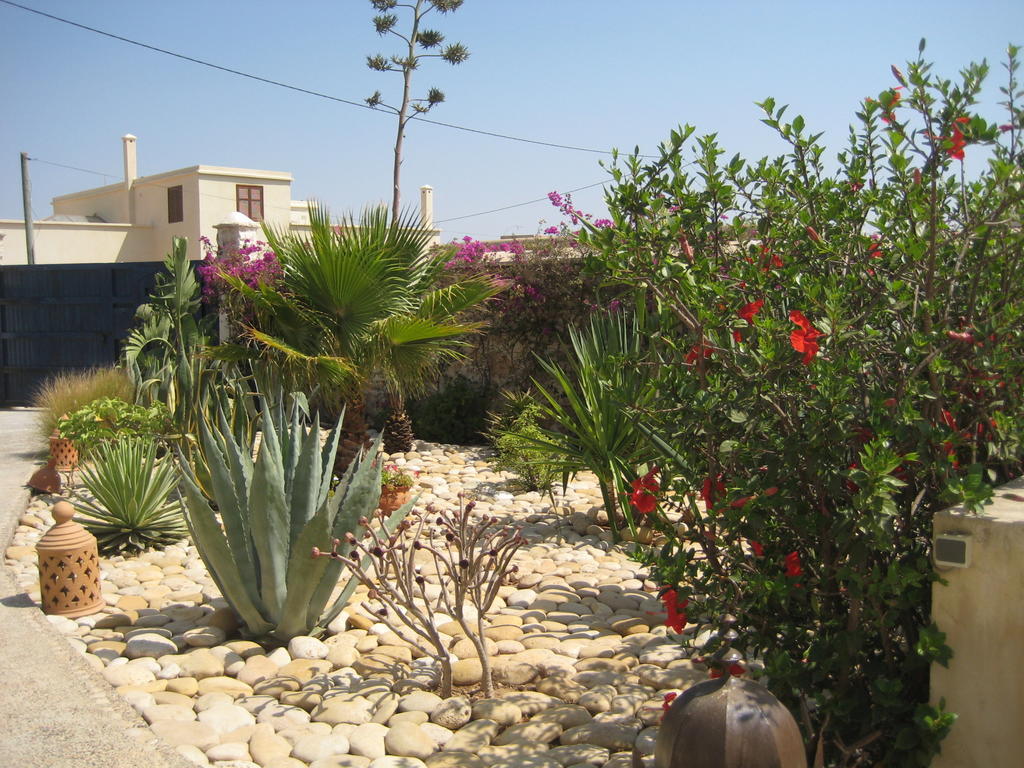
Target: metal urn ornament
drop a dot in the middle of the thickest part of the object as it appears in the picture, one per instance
(69, 567)
(728, 722)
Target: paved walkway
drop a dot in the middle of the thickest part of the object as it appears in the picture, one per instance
(55, 712)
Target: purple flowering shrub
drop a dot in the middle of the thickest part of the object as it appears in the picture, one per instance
(254, 264)
(547, 288)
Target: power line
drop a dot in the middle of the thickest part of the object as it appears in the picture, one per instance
(515, 205)
(72, 167)
(299, 89)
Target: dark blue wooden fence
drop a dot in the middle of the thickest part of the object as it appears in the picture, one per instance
(57, 317)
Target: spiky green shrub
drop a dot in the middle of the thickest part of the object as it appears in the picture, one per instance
(127, 503)
(272, 511)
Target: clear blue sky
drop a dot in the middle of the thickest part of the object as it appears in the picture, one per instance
(591, 73)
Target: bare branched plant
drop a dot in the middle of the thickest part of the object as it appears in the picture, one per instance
(469, 557)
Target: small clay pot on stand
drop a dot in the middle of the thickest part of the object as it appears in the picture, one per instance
(392, 498)
(64, 455)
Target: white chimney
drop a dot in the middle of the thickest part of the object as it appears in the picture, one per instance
(131, 172)
(427, 206)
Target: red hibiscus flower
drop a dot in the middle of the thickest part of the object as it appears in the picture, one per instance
(696, 351)
(737, 336)
(948, 420)
(804, 339)
(875, 249)
(734, 669)
(793, 567)
(712, 488)
(756, 547)
(676, 610)
(957, 142)
(644, 488)
(749, 312)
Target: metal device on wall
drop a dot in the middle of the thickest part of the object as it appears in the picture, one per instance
(952, 550)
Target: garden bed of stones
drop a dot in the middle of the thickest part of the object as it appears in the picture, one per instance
(582, 662)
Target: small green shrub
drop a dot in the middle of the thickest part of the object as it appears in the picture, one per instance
(127, 507)
(109, 418)
(455, 414)
(68, 391)
(515, 433)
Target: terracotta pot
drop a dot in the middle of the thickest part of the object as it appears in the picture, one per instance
(392, 498)
(64, 453)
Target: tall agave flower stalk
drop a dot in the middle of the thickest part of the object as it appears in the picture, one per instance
(272, 511)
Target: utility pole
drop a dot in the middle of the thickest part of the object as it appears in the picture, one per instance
(26, 197)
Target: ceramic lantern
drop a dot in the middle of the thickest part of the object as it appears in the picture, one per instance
(69, 567)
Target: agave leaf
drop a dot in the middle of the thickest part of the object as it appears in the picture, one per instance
(213, 547)
(307, 480)
(269, 515)
(232, 499)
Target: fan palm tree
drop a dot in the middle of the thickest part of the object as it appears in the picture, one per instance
(358, 301)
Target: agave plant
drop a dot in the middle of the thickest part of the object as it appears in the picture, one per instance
(272, 511)
(128, 506)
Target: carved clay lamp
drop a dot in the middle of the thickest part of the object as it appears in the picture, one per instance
(69, 567)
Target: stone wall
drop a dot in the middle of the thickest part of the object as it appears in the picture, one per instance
(981, 610)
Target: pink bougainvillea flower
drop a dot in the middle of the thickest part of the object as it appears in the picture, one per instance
(551, 231)
(805, 338)
(756, 548)
(1005, 127)
(675, 608)
(793, 567)
(749, 311)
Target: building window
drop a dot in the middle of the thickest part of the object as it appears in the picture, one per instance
(249, 201)
(175, 205)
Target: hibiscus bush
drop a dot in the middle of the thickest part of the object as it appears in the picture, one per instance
(838, 348)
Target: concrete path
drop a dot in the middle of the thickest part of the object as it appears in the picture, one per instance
(55, 711)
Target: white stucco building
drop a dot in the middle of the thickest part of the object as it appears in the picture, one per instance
(135, 219)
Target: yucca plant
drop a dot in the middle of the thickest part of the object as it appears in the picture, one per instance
(128, 506)
(588, 405)
(272, 511)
